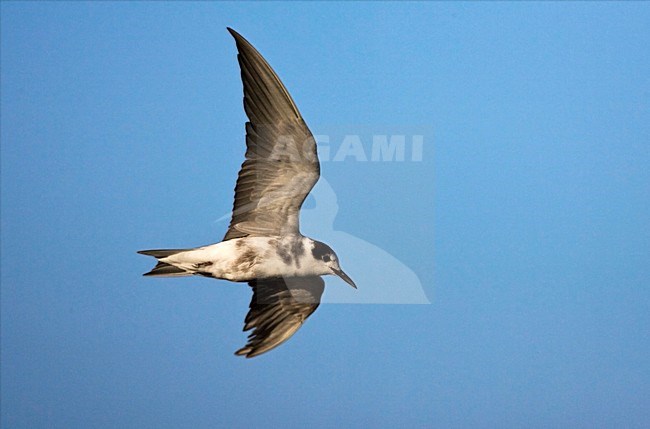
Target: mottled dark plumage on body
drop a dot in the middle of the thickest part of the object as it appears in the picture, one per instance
(283, 253)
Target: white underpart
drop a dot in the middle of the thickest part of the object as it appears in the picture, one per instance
(248, 258)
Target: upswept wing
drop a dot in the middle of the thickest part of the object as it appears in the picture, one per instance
(281, 164)
(278, 309)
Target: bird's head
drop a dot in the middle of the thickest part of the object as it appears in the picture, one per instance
(326, 256)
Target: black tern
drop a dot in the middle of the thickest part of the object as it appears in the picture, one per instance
(263, 245)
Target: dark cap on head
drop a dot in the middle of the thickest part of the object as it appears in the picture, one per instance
(320, 250)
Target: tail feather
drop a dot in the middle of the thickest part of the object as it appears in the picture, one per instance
(163, 269)
(161, 253)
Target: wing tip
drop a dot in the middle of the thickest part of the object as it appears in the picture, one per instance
(238, 37)
(247, 352)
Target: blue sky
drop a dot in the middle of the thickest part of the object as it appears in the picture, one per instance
(525, 223)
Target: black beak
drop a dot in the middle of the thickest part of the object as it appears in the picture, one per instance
(345, 277)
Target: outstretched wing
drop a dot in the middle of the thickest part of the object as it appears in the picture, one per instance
(278, 309)
(281, 164)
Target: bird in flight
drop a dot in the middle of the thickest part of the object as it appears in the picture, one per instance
(263, 245)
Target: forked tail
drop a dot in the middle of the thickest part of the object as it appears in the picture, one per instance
(163, 269)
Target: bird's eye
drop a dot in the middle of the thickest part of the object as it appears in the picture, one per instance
(326, 258)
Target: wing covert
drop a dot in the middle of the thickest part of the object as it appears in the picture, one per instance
(281, 165)
(278, 309)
